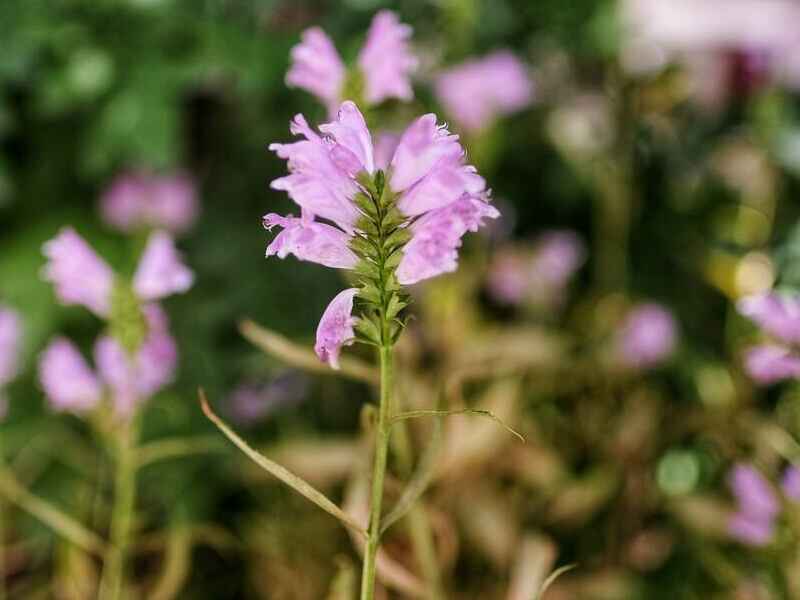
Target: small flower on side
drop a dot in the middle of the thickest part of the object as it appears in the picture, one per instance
(67, 380)
(394, 227)
(10, 340)
(779, 317)
(757, 506)
(648, 337)
(790, 484)
(80, 276)
(479, 91)
(384, 63)
(136, 201)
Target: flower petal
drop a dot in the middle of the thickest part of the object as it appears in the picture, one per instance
(421, 147)
(316, 67)
(336, 328)
(647, 337)
(447, 182)
(386, 59)
(67, 380)
(161, 272)
(314, 242)
(753, 493)
(79, 275)
(776, 314)
(350, 131)
(769, 363)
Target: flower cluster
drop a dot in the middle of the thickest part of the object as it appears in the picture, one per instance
(394, 227)
(478, 91)
(779, 317)
(647, 337)
(138, 356)
(757, 505)
(10, 338)
(384, 65)
(136, 201)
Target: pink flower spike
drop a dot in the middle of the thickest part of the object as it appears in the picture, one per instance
(421, 147)
(336, 328)
(386, 59)
(314, 242)
(350, 131)
(768, 364)
(317, 68)
(778, 315)
(10, 338)
(476, 92)
(161, 272)
(67, 380)
(79, 275)
(447, 182)
(433, 249)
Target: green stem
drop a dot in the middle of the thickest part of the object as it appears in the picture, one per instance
(382, 436)
(113, 579)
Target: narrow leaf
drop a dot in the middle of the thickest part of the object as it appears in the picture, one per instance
(414, 414)
(304, 358)
(549, 581)
(280, 472)
(395, 306)
(366, 327)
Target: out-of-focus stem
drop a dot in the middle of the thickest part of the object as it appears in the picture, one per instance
(382, 436)
(419, 527)
(113, 580)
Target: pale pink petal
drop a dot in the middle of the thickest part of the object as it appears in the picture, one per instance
(448, 181)
(768, 364)
(10, 340)
(173, 203)
(790, 483)
(336, 328)
(647, 337)
(314, 242)
(477, 92)
(776, 314)
(67, 380)
(386, 59)
(78, 274)
(316, 67)
(433, 249)
(421, 147)
(117, 370)
(122, 205)
(350, 131)
(385, 146)
(161, 272)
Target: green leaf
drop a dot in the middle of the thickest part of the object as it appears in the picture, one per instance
(396, 304)
(397, 239)
(369, 329)
(370, 293)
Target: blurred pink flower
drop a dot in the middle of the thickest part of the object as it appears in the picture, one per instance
(336, 327)
(779, 317)
(757, 505)
(140, 200)
(768, 364)
(427, 172)
(67, 380)
(385, 62)
(70, 384)
(647, 337)
(80, 276)
(479, 91)
(750, 530)
(790, 484)
(251, 402)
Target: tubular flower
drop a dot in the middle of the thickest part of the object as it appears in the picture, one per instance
(140, 200)
(479, 91)
(80, 276)
(394, 227)
(384, 64)
(71, 385)
(779, 317)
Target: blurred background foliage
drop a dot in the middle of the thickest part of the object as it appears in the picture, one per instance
(681, 201)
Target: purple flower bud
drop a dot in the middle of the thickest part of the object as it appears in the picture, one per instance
(476, 92)
(336, 328)
(139, 200)
(558, 255)
(79, 275)
(68, 382)
(386, 60)
(753, 531)
(777, 315)
(161, 272)
(768, 364)
(317, 68)
(647, 337)
(753, 492)
(790, 484)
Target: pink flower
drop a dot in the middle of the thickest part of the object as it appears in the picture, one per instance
(79, 275)
(790, 484)
(139, 200)
(336, 327)
(647, 337)
(769, 363)
(757, 506)
(10, 337)
(161, 272)
(68, 382)
(777, 315)
(385, 62)
(442, 198)
(479, 91)
(753, 531)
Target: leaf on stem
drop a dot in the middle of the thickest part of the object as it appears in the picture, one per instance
(280, 472)
(304, 358)
(414, 414)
